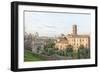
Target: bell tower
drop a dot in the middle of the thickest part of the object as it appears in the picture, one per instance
(74, 29)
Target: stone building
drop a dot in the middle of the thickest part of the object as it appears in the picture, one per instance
(73, 39)
(37, 45)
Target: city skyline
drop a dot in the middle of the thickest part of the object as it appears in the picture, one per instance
(52, 24)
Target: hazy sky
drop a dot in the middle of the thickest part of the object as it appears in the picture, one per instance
(51, 24)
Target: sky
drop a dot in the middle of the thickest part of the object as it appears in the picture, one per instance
(56, 23)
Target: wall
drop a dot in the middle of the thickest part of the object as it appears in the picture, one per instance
(5, 35)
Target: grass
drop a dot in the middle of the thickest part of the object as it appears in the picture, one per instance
(30, 56)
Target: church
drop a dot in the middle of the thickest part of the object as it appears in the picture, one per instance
(73, 39)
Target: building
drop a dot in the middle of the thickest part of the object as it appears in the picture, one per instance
(37, 45)
(73, 39)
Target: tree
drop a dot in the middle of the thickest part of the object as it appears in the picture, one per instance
(69, 51)
(83, 52)
(59, 52)
(50, 43)
(49, 47)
